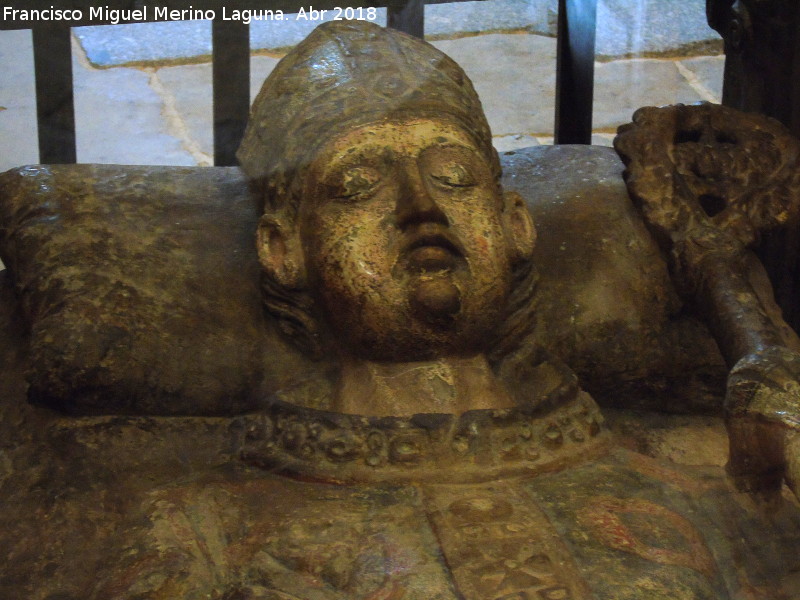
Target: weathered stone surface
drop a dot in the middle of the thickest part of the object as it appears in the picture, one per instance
(707, 71)
(159, 522)
(17, 100)
(162, 260)
(131, 109)
(681, 439)
(590, 232)
(515, 77)
(597, 254)
(622, 87)
(648, 27)
(190, 40)
(107, 46)
(187, 89)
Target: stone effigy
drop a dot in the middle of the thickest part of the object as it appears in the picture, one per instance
(427, 445)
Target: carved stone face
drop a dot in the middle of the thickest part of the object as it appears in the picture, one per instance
(405, 242)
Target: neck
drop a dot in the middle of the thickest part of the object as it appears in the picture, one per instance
(445, 385)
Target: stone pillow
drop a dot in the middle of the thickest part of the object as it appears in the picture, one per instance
(140, 288)
(605, 304)
(140, 285)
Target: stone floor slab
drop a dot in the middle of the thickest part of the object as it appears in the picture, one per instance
(647, 27)
(17, 86)
(621, 87)
(114, 45)
(514, 75)
(163, 116)
(18, 136)
(456, 19)
(706, 72)
(260, 68)
(624, 28)
(187, 91)
(119, 119)
(107, 46)
(18, 133)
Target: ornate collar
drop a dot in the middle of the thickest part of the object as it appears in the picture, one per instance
(478, 445)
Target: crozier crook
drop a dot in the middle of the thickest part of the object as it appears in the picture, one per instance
(708, 181)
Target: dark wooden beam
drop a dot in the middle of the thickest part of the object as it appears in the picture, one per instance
(55, 107)
(231, 80)
(575, 71)
(762, 74)
(762, 56)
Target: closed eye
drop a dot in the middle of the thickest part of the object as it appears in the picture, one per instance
(453, 175)
(356, 183)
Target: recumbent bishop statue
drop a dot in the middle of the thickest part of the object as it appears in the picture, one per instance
(440, 453)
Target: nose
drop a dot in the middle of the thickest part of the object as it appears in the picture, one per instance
(415, 204)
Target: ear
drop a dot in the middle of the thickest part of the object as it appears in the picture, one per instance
(280, 251)
(519, 226)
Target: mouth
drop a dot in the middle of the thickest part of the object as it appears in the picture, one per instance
(432, 251)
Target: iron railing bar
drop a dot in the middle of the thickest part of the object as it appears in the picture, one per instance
(577, 22)
(231, 87)
(408, 17)
(55, 104)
